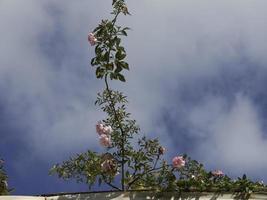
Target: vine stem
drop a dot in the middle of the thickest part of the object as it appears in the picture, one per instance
(141, 175)
(110, 184)
(122, 132)
(116, 116)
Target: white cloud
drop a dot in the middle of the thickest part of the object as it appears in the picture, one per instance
(45, 98)
(172, 43)
(232, 138)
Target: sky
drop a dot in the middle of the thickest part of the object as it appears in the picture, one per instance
(197, 81)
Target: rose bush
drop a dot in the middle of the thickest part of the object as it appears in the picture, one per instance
(3, 179)
(137, 165)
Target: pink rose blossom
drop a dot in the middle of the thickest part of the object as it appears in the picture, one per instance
(107, 130)
(99, 128)
(105, 140)
(217, 173)
(178, 162)
(102, 129)
(92, 39)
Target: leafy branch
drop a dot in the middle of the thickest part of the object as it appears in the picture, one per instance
(138, 164)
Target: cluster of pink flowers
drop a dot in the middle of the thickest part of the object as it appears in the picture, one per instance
(178, 162)
(92, 39)
(217, 173)
(104, 134)
(101, 129)
(105, 141)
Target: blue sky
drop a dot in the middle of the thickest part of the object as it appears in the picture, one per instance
(197, 81)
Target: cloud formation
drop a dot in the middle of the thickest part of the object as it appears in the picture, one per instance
(232, 136)
(196, 81)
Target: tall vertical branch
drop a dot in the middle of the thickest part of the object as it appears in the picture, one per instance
(122, 133)
(112, 104)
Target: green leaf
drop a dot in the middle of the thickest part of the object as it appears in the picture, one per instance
(93, 61)
(117, 41)
(100, 72)
(113, 76)
(106, 56)
(118, 69)
(126, 28)
(120, 48)
(109, 66)
(121, 77)
(98, 50)
(124, 32)
(125, 65)
(120, 55)
(122, 64)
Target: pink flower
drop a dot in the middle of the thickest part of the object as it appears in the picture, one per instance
(217, 173)
(92, 39)
(107, 130)
(105, 140)
(99, 128)
(178, 162)
(102, 129)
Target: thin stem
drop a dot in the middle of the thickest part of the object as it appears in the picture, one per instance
(113, 186)
(110, 184)
(115, 113)
(141, 175)
(155, 164)
(122, 132)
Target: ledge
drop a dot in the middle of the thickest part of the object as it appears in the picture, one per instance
(134, 195)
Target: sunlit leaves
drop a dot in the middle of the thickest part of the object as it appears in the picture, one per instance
(85, 167)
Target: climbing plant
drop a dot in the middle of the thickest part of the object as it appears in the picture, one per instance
(131, 161)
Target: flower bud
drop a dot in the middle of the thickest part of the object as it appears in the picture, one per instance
(161, 150)
(92, 39)
(125, 10)
(217, 173)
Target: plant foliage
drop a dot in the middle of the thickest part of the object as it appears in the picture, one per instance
(135, 160)
(3, 179)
